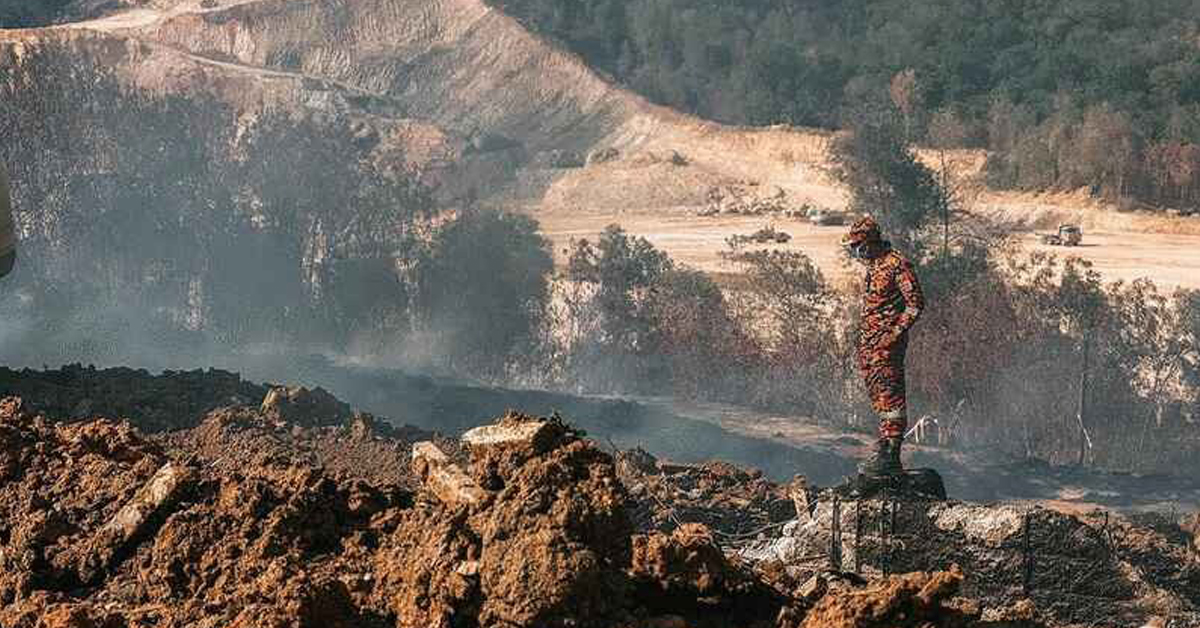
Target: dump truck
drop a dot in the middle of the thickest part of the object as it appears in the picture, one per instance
(1068, 235)
(8, 231)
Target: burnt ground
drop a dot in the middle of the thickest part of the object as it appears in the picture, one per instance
(780, 447)
(194, 503)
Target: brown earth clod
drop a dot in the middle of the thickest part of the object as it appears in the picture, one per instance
(242, 518)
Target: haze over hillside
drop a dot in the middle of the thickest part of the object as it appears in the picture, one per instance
(488, 112)
(459, 65)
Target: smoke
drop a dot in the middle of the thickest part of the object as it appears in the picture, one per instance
(278, 247)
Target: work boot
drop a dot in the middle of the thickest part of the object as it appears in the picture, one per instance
(885, 460)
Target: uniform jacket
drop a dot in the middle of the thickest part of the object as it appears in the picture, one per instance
(892, 302)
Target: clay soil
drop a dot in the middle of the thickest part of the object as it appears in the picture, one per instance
(299, 512)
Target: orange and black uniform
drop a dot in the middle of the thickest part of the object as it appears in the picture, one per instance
(8, 232)
(892, 302)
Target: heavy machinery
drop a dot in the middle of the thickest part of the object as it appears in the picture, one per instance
(1068, 235)
(8, 232)
(826, 217)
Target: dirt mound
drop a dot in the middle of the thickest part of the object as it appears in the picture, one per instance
(547, 544)
(300, 406)
(734, 503)
(230, 439)
(917, 599)
(686, 573)
(153, 403)
(100, 527)
(248, 520)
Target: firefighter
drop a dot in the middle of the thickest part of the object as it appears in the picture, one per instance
(8, 235)
(892, 302)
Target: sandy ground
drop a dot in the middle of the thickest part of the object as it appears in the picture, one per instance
(1169, 260)
(697, 242)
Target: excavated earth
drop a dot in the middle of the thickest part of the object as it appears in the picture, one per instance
(197, 499)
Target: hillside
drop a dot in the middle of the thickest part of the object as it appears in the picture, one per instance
(288, 189)
(489, 111)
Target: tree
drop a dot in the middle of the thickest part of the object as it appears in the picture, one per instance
(875, 161)
(906, 96)
(482, 290)
(947, 131)
(623, 269)
(1174, 169)
(1104, 151)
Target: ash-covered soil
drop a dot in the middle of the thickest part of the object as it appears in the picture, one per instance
(209, 507)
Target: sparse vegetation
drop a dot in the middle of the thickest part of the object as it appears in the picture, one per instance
(1027, 354)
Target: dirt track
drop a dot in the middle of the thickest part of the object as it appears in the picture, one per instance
(1169, 260)
(697, 242)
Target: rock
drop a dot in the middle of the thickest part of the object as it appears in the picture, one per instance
(166, 484)
(688, 566)
(133, 520)
(814, 588)
(450, 484)
(301, 406)
(602, 155)
(550, 546)
(524, 435)
(688, 559)
(988, 525)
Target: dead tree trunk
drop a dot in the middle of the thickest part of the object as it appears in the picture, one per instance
(1085, 441)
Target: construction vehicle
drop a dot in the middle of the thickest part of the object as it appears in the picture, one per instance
(826, 217)
(8, 232)
(1068, 235)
